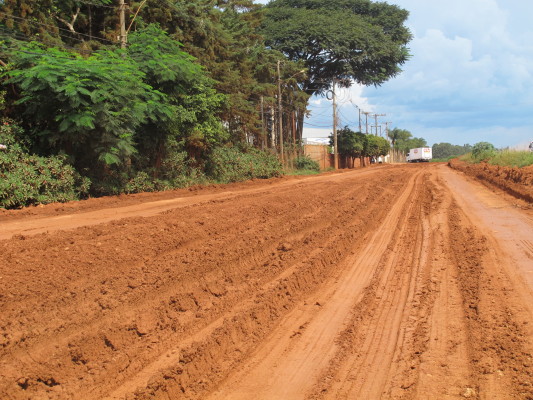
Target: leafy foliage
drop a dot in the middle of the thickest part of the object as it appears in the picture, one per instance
(350, 143)
(96, 103)
(306, 163)
(348, 40)
(189, 92)
(356, 144)
(403, 140)
(29, 179)
(230, 164)
(483, 150)
(447, 150)
(376, 146)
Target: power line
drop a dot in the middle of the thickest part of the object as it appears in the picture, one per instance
(19, 36)
(56, 27)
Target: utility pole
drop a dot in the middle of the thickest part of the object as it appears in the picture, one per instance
(366, 121)
(376, 119)
(387, 130)
(122, 18)
(336, 152)
(280, 113)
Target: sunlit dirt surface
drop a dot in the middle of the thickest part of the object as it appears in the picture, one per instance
(391, 282)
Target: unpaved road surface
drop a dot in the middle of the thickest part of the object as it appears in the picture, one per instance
(393, 282)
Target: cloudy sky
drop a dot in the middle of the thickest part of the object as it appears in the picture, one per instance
(469, 78)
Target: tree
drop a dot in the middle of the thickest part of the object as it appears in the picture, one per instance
(88, 108)
(376, 146)
(188, 90)
(447, 150)
(405, 141)
(350, 143)
(346, 40)
(397, 135)
(483, 151)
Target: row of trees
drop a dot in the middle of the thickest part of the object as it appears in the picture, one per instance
(358, 145)
(195, 75)
(447, 150)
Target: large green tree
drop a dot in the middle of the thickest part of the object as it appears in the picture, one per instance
(347, 40)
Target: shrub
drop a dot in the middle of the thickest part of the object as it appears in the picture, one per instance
(230, 164)
(483, 151)
(27, 179)
(306, 163)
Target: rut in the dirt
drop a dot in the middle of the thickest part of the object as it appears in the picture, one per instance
(380, 270)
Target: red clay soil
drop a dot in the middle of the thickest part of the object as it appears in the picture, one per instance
(375, 283)
(517, 182)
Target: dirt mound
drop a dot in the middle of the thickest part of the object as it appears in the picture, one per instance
(517, 182)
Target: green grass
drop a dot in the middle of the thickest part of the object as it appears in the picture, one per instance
(302, 172)
(511, 158)
(503, 158)
(446, 159)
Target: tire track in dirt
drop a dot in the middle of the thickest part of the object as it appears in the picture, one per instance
(118, 296)
(32, 226)
(465, 330)
(311, 343)
(382, 327)
(177, 305)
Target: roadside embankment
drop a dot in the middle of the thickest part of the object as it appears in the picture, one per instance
(517, 182)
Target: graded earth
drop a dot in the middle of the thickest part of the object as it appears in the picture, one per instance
(389, 282)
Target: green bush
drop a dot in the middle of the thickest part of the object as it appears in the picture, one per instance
(27, 179)
(306, 163)
(230, 164)
(483, 151)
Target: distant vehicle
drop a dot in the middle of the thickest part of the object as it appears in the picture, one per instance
(420, 154)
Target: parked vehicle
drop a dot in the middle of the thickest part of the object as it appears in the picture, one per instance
(420, 154)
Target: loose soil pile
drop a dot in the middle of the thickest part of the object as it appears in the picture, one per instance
(518, 182)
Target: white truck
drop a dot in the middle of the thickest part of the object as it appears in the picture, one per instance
(420, 154)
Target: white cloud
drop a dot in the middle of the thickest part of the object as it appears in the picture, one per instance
(470, 74)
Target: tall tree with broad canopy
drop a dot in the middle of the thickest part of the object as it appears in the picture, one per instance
(347, 40)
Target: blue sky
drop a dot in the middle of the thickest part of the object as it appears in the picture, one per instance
(470, 78)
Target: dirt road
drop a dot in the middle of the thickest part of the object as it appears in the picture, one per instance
(394, 282)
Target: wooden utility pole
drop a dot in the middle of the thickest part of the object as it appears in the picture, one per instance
(335, 149)
(122, 18)
(280, 114)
